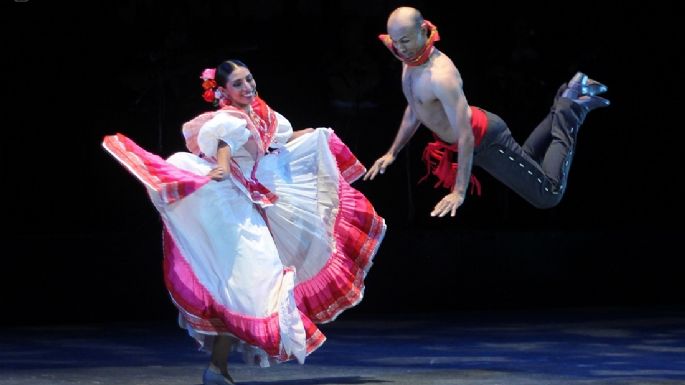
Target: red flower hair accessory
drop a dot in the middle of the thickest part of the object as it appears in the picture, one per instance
(212, 94)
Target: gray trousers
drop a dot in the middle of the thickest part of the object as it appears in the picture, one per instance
(538, 170)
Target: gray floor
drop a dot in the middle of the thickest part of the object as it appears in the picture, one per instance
(599, 346)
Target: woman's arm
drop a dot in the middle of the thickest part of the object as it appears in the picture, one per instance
(223, 160)
(297, 134)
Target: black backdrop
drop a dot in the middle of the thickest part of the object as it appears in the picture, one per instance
(82, 240)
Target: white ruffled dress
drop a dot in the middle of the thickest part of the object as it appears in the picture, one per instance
(269, 252)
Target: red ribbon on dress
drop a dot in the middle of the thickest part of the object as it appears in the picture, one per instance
(438, 157)
(423, 54)
(265, 124)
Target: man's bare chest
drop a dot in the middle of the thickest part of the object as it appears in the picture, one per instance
(417, 89)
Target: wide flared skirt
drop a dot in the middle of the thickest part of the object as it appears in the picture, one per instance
(265, 275)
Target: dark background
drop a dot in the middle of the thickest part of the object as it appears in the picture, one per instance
(82, 241)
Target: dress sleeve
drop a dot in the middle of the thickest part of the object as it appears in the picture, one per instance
(283, 132)
(222, 127)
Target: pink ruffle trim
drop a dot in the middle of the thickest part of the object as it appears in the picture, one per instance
(169, 181)
(205, 315)
(348, 164)
(340, 283)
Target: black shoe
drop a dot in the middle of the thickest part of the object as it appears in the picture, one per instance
(590, 103)
(576, 87)
(594, 88)
(560, 91)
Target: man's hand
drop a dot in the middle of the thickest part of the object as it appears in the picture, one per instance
(379, 166)
(450, 203)
(217, 173)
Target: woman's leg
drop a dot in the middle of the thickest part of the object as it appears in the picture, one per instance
(219, 361)
(220, 352)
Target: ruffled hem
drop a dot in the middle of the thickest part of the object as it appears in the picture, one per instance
(252, 355)
(350, 167)
(204, 316)
(170, 182)
(339, 285)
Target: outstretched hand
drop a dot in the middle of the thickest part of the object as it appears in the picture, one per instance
(379, 166)
(449, 204)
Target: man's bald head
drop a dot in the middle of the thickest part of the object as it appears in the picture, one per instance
(406, 31)
(405, 17)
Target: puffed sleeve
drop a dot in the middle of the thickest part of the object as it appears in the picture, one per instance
(222, 127)
(283, 132)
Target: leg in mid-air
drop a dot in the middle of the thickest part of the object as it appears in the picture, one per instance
(538, 170)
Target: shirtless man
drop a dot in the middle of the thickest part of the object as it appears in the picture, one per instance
(432, 85)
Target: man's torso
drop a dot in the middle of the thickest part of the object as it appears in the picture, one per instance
(418, 89)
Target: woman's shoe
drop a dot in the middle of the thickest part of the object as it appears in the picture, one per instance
(210, 377)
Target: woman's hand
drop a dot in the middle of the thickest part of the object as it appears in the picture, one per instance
(217, 173)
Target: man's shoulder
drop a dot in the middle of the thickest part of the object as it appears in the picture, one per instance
(443, 65)
(444, 73)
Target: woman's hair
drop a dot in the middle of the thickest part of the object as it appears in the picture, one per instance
(224, 70)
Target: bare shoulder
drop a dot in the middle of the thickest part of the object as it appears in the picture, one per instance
(445, 73)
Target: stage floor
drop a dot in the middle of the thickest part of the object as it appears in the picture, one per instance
(595, 346)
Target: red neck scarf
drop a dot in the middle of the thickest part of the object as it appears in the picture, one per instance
(263, 121)
(423, 54)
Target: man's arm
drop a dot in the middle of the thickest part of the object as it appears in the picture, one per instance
(448, 89)
(407, 129)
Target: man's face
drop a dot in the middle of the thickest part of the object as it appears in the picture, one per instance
(407, 39)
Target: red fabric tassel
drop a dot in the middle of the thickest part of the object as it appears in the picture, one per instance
(438, 157)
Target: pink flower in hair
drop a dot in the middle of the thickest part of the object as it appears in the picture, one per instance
(208, 74)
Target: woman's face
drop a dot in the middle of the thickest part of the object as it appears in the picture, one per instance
(241, 88)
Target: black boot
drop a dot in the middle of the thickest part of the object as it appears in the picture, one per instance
(584, 104)
(590, 103)
(560, 91)
(594, 88)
